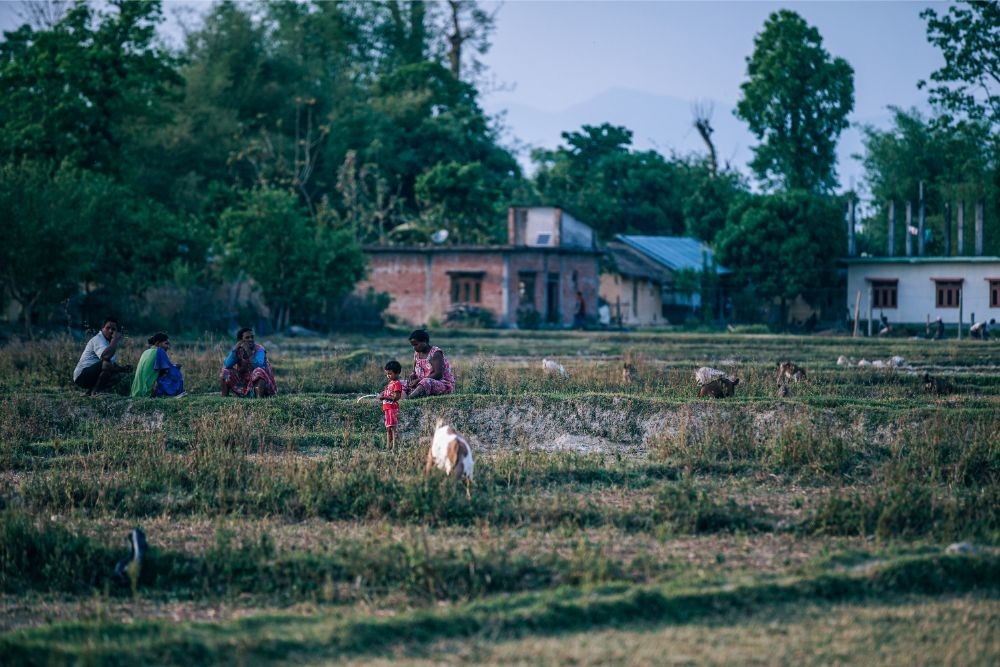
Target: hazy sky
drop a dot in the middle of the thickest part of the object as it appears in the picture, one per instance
(549, 56)
(562, 52)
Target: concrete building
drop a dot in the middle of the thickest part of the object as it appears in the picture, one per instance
(632, 286)
(656, 280)
(909, 290)
(549, 257)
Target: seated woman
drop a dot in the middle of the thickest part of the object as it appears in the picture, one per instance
(246, 371)
(154, 374)
(431, 371)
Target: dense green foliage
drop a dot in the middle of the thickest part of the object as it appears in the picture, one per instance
(957, 163)
(237, 176)
(796, 100)
(618, 190)
(969, 38)
(277, 140)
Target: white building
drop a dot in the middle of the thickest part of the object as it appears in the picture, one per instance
(911, 290)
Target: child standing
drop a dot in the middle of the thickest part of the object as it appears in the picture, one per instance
(390, 400)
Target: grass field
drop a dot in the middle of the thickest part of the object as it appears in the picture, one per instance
(609, 523)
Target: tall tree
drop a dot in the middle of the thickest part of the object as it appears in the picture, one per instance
(82, 89)
(969, 38)
(796, 101)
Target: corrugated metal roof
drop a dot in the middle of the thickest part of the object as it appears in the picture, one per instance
(674, 252)
(630, 262)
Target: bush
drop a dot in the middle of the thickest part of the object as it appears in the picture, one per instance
(462, 316)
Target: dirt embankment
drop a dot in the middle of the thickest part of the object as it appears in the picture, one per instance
(626, 426)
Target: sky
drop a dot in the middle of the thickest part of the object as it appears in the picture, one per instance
(557, 64)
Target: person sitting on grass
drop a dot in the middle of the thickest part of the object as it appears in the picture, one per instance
(154, 374)
(431, 371)
(390, 401)
(246, 371)
(97, 369)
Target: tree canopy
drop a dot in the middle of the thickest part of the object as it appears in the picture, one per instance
(796, 100)
(968, 35)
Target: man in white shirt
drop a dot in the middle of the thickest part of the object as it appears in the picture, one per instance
(97, 369)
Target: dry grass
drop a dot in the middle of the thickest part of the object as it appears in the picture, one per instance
(582, 482)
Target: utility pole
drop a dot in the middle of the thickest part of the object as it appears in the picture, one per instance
(907, 237)
(890, 243)
(920, 221)
(947, 229)
(850, 227)
(960, 241)
(979, 227)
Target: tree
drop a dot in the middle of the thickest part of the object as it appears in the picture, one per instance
(709, 201)
(796, 101)
(469, 25)
(461, 199)
(298, 262)
(46, 246)
(969, 39)
(81, 90)
(616, 190)
(420, 117)
(954, 161)
(783, 244)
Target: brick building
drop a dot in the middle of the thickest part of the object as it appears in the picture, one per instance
(548, 258)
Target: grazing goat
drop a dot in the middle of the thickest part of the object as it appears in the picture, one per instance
(704, 375)
(933, 385)
(787, 371)
(720, 388)
(451, 453)
(629, 374)
(554, 368)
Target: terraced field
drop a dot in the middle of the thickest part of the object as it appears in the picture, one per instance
(609, 522)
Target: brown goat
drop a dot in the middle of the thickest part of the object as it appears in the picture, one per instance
(787, 371)
(629, 374)
(933, 385)
(720, 388)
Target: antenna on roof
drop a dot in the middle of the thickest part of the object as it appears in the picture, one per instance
(440, 236)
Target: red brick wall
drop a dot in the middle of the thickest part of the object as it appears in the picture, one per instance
(403, 274)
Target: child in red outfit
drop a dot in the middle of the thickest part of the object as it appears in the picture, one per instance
(390, 401)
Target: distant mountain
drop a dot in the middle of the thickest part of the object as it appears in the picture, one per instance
(657, 122)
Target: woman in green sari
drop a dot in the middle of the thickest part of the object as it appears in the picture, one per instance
(155, 375)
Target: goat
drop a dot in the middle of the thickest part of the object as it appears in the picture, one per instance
(933, 385)
(719, 388)
(787, 371)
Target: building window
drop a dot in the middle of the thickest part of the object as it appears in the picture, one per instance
(948, 293)
(884, 294)
(994, 293)
(526, 289)
(467, 288)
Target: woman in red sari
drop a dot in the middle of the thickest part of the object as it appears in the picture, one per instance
(246, 371)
